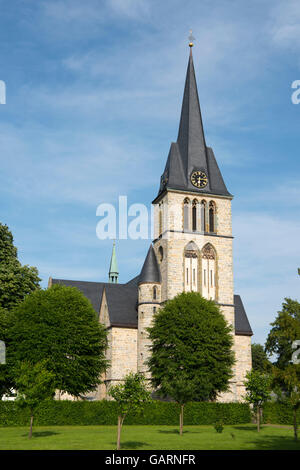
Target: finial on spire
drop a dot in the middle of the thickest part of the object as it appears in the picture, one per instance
(191, 39)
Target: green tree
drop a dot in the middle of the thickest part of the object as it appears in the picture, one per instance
(6, 379)
(290, 377)
(60, 326)
(260, 360)
(16, 281)
(191, 350)
(130, 396)
(258, 388)
(35, 384)
(285, 330)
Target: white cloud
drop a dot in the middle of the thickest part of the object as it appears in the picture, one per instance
(285, 24)
(130, 8)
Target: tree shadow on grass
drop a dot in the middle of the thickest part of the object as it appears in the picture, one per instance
(276, 443)
(41, 434)
(176, 431)
(133, 444)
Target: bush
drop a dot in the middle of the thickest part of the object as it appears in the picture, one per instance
(84, 413)
(278, 413)
(219, 426)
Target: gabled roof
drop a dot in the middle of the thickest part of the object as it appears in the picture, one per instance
(150, 270)
(190, 152)
(121, 299)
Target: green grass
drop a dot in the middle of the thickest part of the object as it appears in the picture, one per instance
(147, 438)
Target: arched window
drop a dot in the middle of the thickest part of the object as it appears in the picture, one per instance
(160, 254)
(154, 293)
(186, 214)
(194, 215)
(203, 216)
(191, 267)
(209, 272)
(212, 217)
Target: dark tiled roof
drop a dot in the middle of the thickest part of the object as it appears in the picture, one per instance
(242, 325)
(122, 303)
(190, 152)
(121, 299)
(150, 270)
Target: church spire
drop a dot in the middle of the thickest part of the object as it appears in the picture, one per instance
(191, 140)
(113, 270)
(189, 155)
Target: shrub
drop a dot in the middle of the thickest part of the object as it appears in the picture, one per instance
(219, 426)
(84, 413)
(278, 413)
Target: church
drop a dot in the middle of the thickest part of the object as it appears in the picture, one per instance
(191, 251)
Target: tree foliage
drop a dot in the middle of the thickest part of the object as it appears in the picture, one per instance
(59, 326)
(260, 360)
(258, 388)
(191, 346)
(16, 281)
(285, 330)
(290, 377)
(35, 384)
(130, 396)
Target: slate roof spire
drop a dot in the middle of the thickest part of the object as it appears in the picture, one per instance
(150, 270)
(190, 152)
(113, 270)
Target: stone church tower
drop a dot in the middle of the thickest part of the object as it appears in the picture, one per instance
(191, 251)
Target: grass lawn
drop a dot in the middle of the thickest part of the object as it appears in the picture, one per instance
(147, 438)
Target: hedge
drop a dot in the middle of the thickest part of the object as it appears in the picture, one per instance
(279, 413)
(83, 413)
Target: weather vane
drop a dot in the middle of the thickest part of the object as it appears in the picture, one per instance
(191, 39)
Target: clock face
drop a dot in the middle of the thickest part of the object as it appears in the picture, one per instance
(199, 179)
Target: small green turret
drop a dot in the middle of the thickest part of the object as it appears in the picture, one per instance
(113, 270)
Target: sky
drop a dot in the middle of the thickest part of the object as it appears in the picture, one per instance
(93, 99)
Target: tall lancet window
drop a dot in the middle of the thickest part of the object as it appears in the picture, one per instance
(203, 216)
(209, 272)
(160, 219)
(195, 215)
(191, 267)
(212, 217)
(186, 214)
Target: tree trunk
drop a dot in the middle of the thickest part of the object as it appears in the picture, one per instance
(295, 424)
(30, 429)
(181, 420)
(258, 418)
(119, 432)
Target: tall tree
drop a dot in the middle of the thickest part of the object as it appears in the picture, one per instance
(130, 396)
(260, 360)
(6, 379)
(191, 346)
(16, 281)
(60, 326)
(285, 330)
(35, 384)
(258, 388)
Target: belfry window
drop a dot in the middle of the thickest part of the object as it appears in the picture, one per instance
(186, 214)
(203, 216)
(212, 217)
(194, 215)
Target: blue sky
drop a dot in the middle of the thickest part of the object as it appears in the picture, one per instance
(94, 92)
